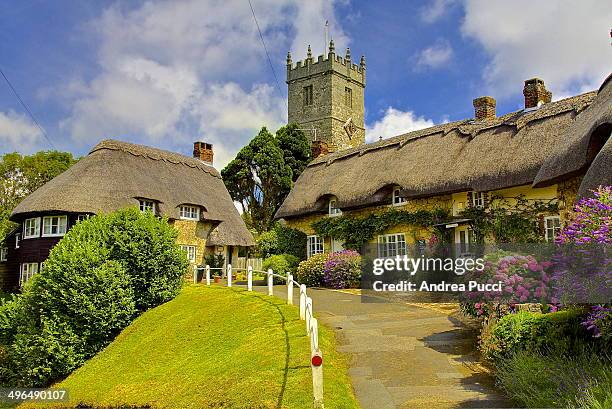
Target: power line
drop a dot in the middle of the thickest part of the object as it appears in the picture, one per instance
(263, 42)
(23, 104)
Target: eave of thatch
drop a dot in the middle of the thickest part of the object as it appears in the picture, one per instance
(116, 174)
(464, 155)
(575, 151)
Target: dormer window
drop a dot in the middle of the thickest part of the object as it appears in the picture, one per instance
(147, 206)
(190, 213)
(397, 199)
(334, 210)
(478, 199)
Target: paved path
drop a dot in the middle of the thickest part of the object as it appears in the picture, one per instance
(403, 356)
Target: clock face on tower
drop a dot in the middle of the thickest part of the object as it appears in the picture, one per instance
(350, 128)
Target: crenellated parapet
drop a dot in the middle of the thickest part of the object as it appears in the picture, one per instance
(326, 64)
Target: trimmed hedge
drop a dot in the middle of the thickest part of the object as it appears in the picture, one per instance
(556, 332)
(281, 264)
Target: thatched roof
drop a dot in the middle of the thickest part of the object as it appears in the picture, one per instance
(580, 144)
(464, 155)
(116, 174)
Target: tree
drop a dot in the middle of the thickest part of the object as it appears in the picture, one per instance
(263, 172)
(21, 175)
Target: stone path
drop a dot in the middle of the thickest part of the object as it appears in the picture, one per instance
(404, 356)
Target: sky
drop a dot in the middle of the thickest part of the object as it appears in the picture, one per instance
(166, 74)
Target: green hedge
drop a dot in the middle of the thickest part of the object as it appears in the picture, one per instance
(557, 332)
(311, 271)
(282, 240)
(281, 264)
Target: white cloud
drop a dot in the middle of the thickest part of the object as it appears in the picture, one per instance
(18, 133)
(175, 72)
(566, 43)
(435, 55)
(435, 10)
(396, 122)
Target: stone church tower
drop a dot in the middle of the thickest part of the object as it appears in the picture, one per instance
(327, 97)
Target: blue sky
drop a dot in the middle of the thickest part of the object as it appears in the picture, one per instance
(168, 73)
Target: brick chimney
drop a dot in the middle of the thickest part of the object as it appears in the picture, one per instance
(318, 148)
(535, 93)
(203, 151)
(484, 108)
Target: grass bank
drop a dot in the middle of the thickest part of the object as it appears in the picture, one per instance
(211, 347)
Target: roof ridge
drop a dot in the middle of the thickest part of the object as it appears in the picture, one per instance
(508, 119)
(153, 153)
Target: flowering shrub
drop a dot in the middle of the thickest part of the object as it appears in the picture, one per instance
(310, 271)
(592, 221)
(592, 226)
(342, 270)
(524, 279)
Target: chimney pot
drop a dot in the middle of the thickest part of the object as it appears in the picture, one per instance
(203, 151)
(484, 108)
(319, 148)
(535, 93)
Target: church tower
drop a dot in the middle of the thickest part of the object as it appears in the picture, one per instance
(327, 97)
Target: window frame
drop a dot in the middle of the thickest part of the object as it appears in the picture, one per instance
(314, 245)
(194, 212)
(397, 200)
(555, 229)
(187, 248)
(82, 217)
(59, 233)
(383, 240)
(3, 254)
(36, 228)
(348, 97)
(28, 275)
(17, 240)
(308, 91)
(478, 199)
(332, 210)
(145, 205)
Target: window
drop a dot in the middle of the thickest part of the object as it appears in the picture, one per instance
(308, 97)
(82, 217)
(27, 272)
(391, 245)
(191, 253)
(190, 213)
(333, 210)
(3, 253)
(348, 97)
(478, 199)
(397, 199)
(31, 228)
(17, 240)
(552, 227)
(314, 245)
(54, 226)
(147, 206)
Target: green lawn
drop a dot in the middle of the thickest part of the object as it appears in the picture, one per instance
(212, 347)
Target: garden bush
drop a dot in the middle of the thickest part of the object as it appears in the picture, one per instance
(556, 332)
(535, 380)
(310, 271)
(342, 270)
(97, 278)
(281, 264)
(282, 240)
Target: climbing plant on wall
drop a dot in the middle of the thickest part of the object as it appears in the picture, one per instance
(507, 222)
(355, 232)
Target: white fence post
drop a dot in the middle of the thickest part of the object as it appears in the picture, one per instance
(316, 363)
(250, 278)
(229, 275)
(308, 314)
(207, 274)
(195, 274)
(289, 289)
(270, 282)
(303, 301)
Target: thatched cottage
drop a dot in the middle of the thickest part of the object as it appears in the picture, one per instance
(187, 190)
(548, 152)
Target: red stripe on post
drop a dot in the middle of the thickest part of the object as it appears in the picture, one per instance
(316, 360)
